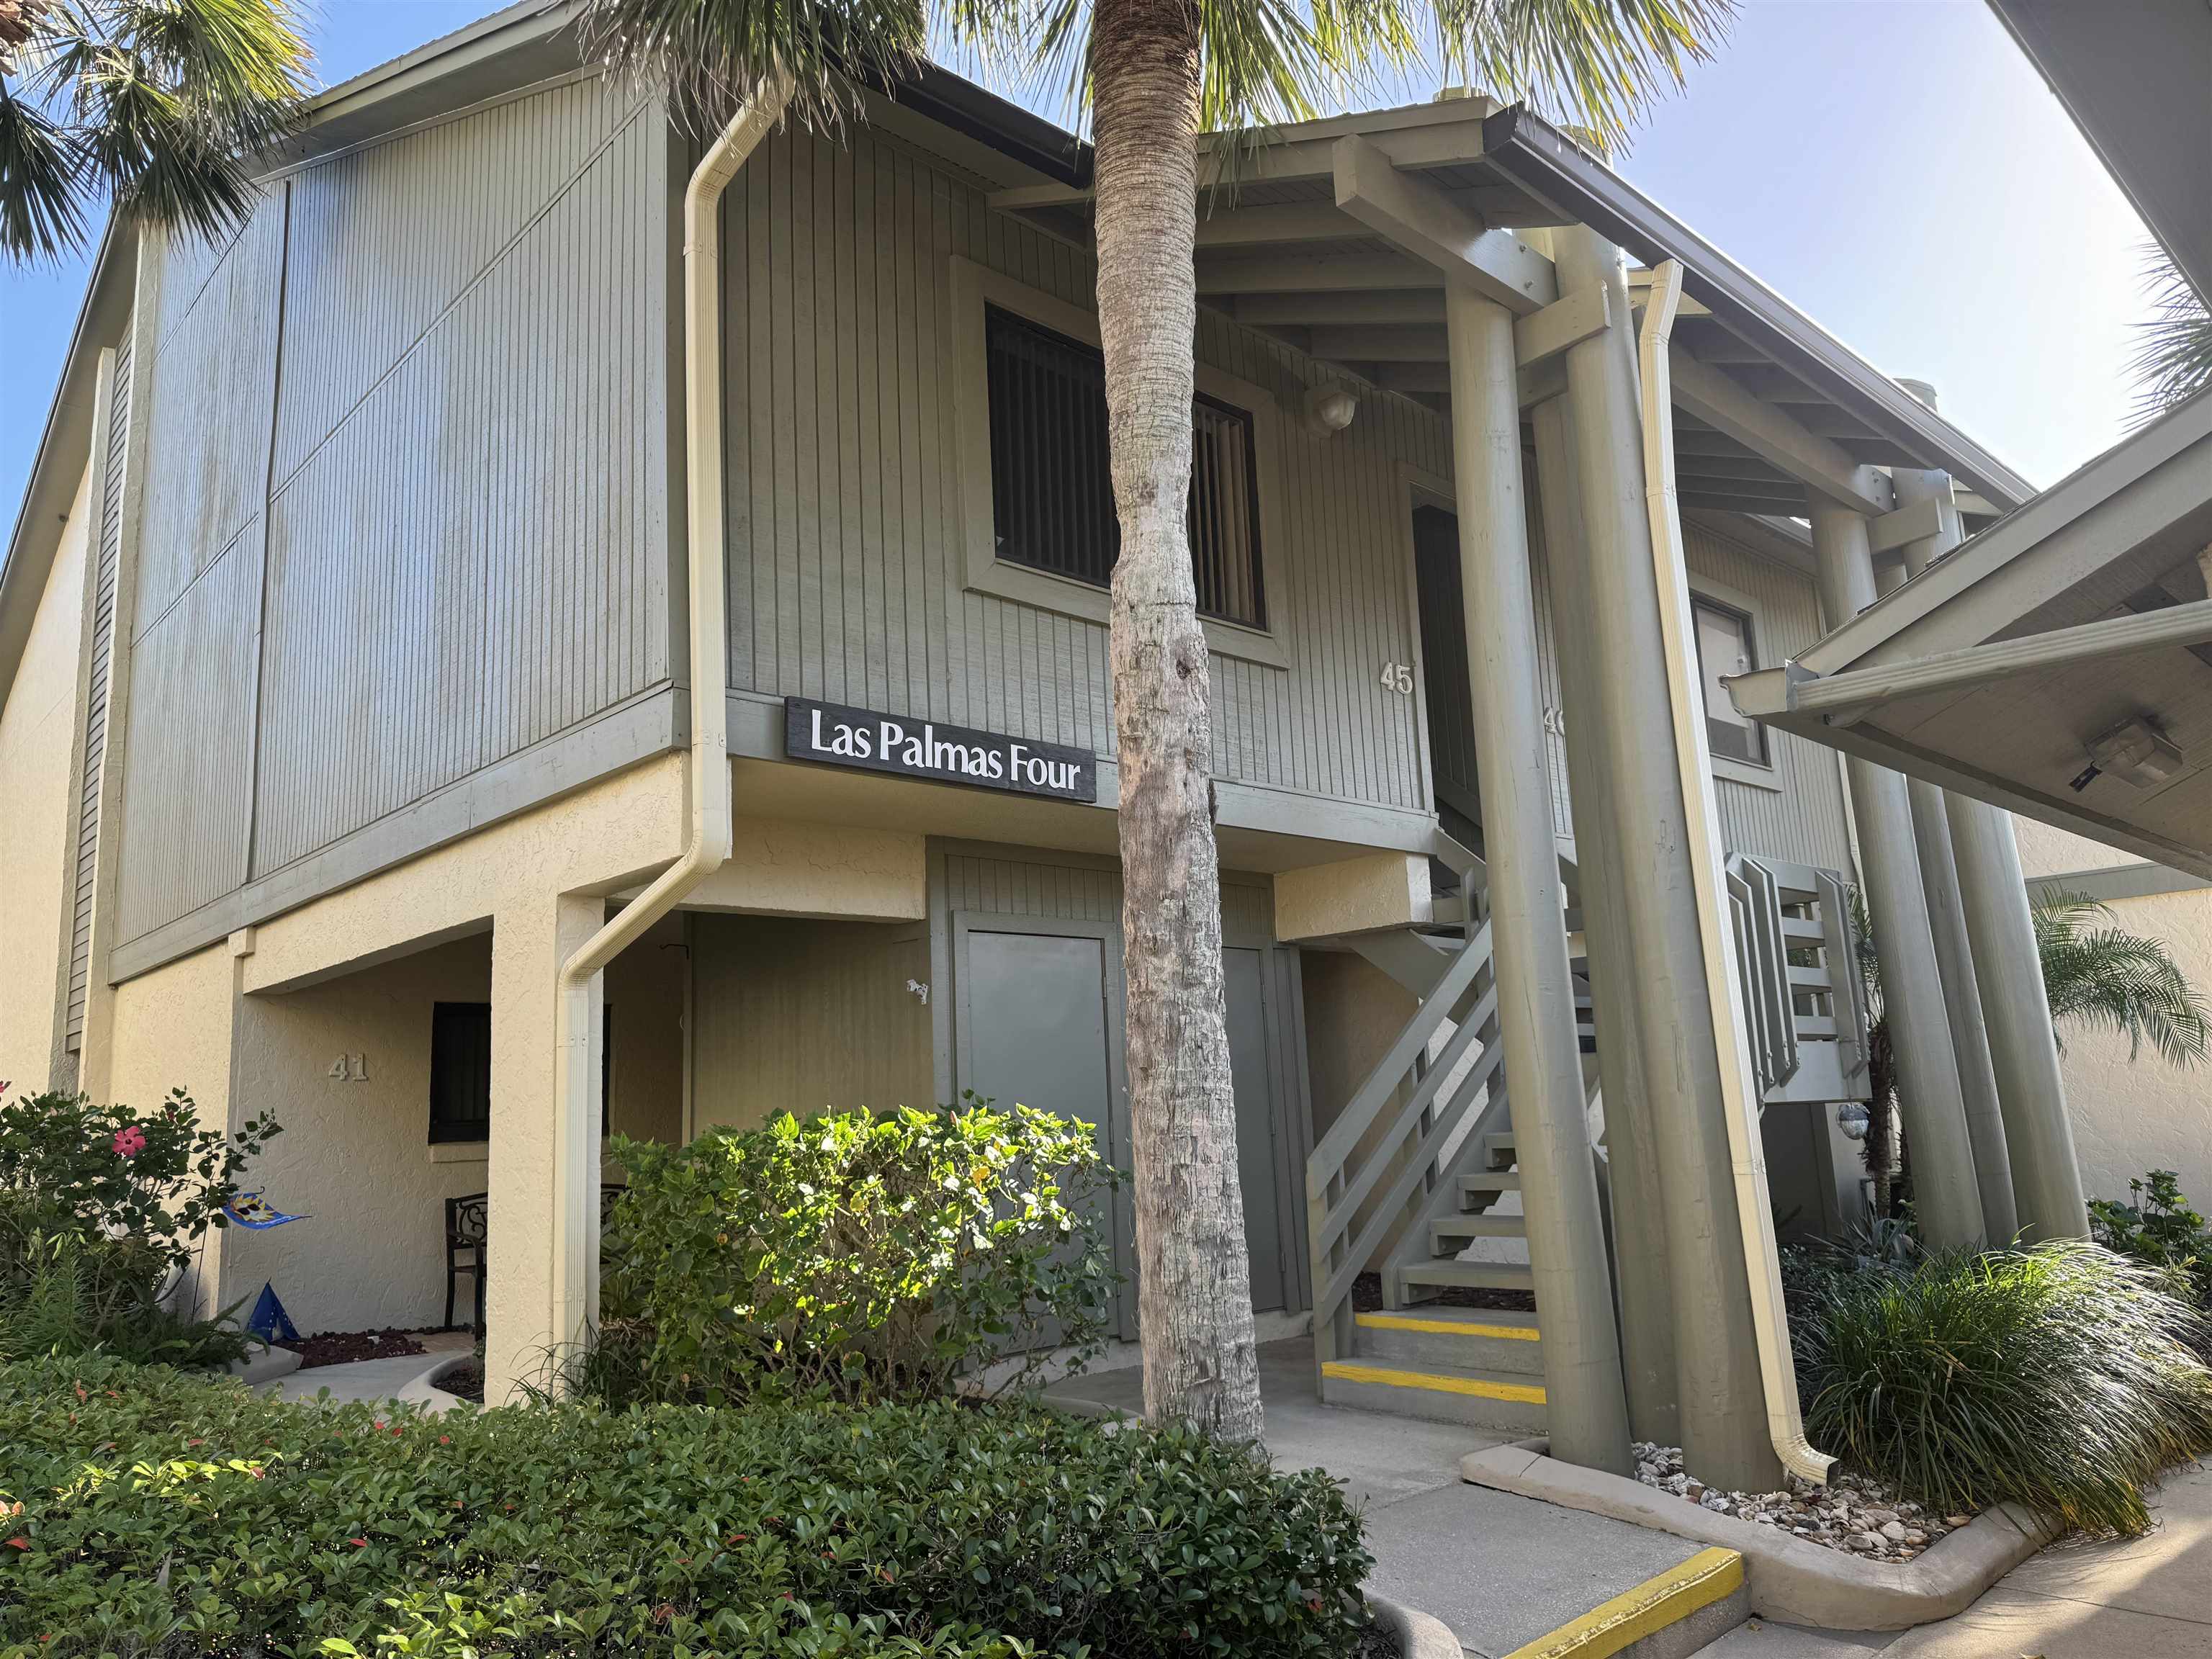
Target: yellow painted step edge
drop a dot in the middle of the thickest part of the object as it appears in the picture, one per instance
(1708, 1576)
(1390, 1321)
(1349, 1371)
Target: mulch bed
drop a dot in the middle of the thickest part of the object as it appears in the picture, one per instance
(1367, 1297)
(463, 1380)
(346, 1347)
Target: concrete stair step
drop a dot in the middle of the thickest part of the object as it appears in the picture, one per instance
(1428, 1336)
(1449, 1235)
(1499, 1149)
(1485, 1185)
(1468, 1275)
(1437, 1393)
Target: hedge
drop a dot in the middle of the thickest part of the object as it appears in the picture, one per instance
(143, 1509)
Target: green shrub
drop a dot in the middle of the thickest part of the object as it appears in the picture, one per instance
(68, 1292)
(161, 1508)
(2059, 1377)
(2159, 1227)
(876, 1256)
(113, 1170)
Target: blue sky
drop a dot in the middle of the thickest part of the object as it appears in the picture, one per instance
(1893, 168)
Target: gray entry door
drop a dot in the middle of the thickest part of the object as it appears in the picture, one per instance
(1040, 1025)
(1039, 1022)
(1259, 1164)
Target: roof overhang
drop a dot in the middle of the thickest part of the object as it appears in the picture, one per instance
(1995, 671)
(1338, 236)
(2136, 77)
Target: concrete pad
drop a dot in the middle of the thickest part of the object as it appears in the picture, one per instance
(2008, 1621)
(367, 1379)
(1501, 1571)
(1764, 1638)
(2163, 1572)
(1379, 1459)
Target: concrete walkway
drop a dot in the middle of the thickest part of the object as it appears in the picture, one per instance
(374, 1379)
(2143, 1595)
(1500, 1570)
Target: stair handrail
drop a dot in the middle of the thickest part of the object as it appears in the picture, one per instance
(1334, 1191)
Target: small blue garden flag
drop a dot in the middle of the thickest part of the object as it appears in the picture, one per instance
(270, 1322)
(251, 1210)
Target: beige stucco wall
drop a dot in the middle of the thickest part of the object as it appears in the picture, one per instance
(355, 1157)
(38, 824)
(2131, 1116)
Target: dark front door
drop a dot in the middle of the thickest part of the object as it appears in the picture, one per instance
(1443, 669)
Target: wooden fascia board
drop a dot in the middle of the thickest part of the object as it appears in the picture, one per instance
(1414, 214)
(1824, 466)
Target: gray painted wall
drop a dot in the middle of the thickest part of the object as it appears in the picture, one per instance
(406, 517)
(847, 535)
(449, 544)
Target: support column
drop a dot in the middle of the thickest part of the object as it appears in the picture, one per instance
(1946, 1191)
(2045, 1178)
(1631, 741)
(544, 1154)
(1587, 1406)
(1639, 1214)
(1946, 915)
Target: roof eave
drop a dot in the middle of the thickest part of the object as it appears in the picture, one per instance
(1552, 167)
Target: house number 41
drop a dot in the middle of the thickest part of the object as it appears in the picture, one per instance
(1398, 677)
(350, 1068)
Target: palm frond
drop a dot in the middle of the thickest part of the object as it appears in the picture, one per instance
(2172, 359)
(164, 106)
(39, 165)
(708, 55)
(2108, 979)
(1596, 64)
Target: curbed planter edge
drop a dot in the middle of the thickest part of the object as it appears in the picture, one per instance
(1789, 1579)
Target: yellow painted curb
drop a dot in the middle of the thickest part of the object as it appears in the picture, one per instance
(1389, 1322)
(1349, 1371)
(1708, 1576)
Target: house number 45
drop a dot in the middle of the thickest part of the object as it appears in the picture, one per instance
(1398, 677)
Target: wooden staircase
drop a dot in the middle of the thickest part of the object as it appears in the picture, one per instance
(1432, 1201)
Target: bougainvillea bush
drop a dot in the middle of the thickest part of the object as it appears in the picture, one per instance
(145, 1510)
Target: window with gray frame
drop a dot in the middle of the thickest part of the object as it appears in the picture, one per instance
(1726, 646)
(1052, 489)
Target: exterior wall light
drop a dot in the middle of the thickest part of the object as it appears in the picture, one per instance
(1330, 408)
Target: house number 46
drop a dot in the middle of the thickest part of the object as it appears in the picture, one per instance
(1398, 677)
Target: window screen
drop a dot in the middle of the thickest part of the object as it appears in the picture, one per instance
(1725, 647)
(1052, 490)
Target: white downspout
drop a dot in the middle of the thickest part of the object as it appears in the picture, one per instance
(706, 844)
(1785, 1422)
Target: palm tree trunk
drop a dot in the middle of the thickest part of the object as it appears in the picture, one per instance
(1194, 1291)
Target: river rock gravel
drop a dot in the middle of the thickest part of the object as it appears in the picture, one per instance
(1849, 1513)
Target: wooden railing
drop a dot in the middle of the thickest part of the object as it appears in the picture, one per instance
(1373, 1173)
(1804, 1004)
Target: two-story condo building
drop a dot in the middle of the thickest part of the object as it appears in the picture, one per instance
(347, 642)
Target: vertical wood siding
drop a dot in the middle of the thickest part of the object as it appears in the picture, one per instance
(847, 535)
(460, 493)
(115, 441)
(1804, 820)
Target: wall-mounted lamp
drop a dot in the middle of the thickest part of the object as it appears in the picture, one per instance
(1330, 408)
